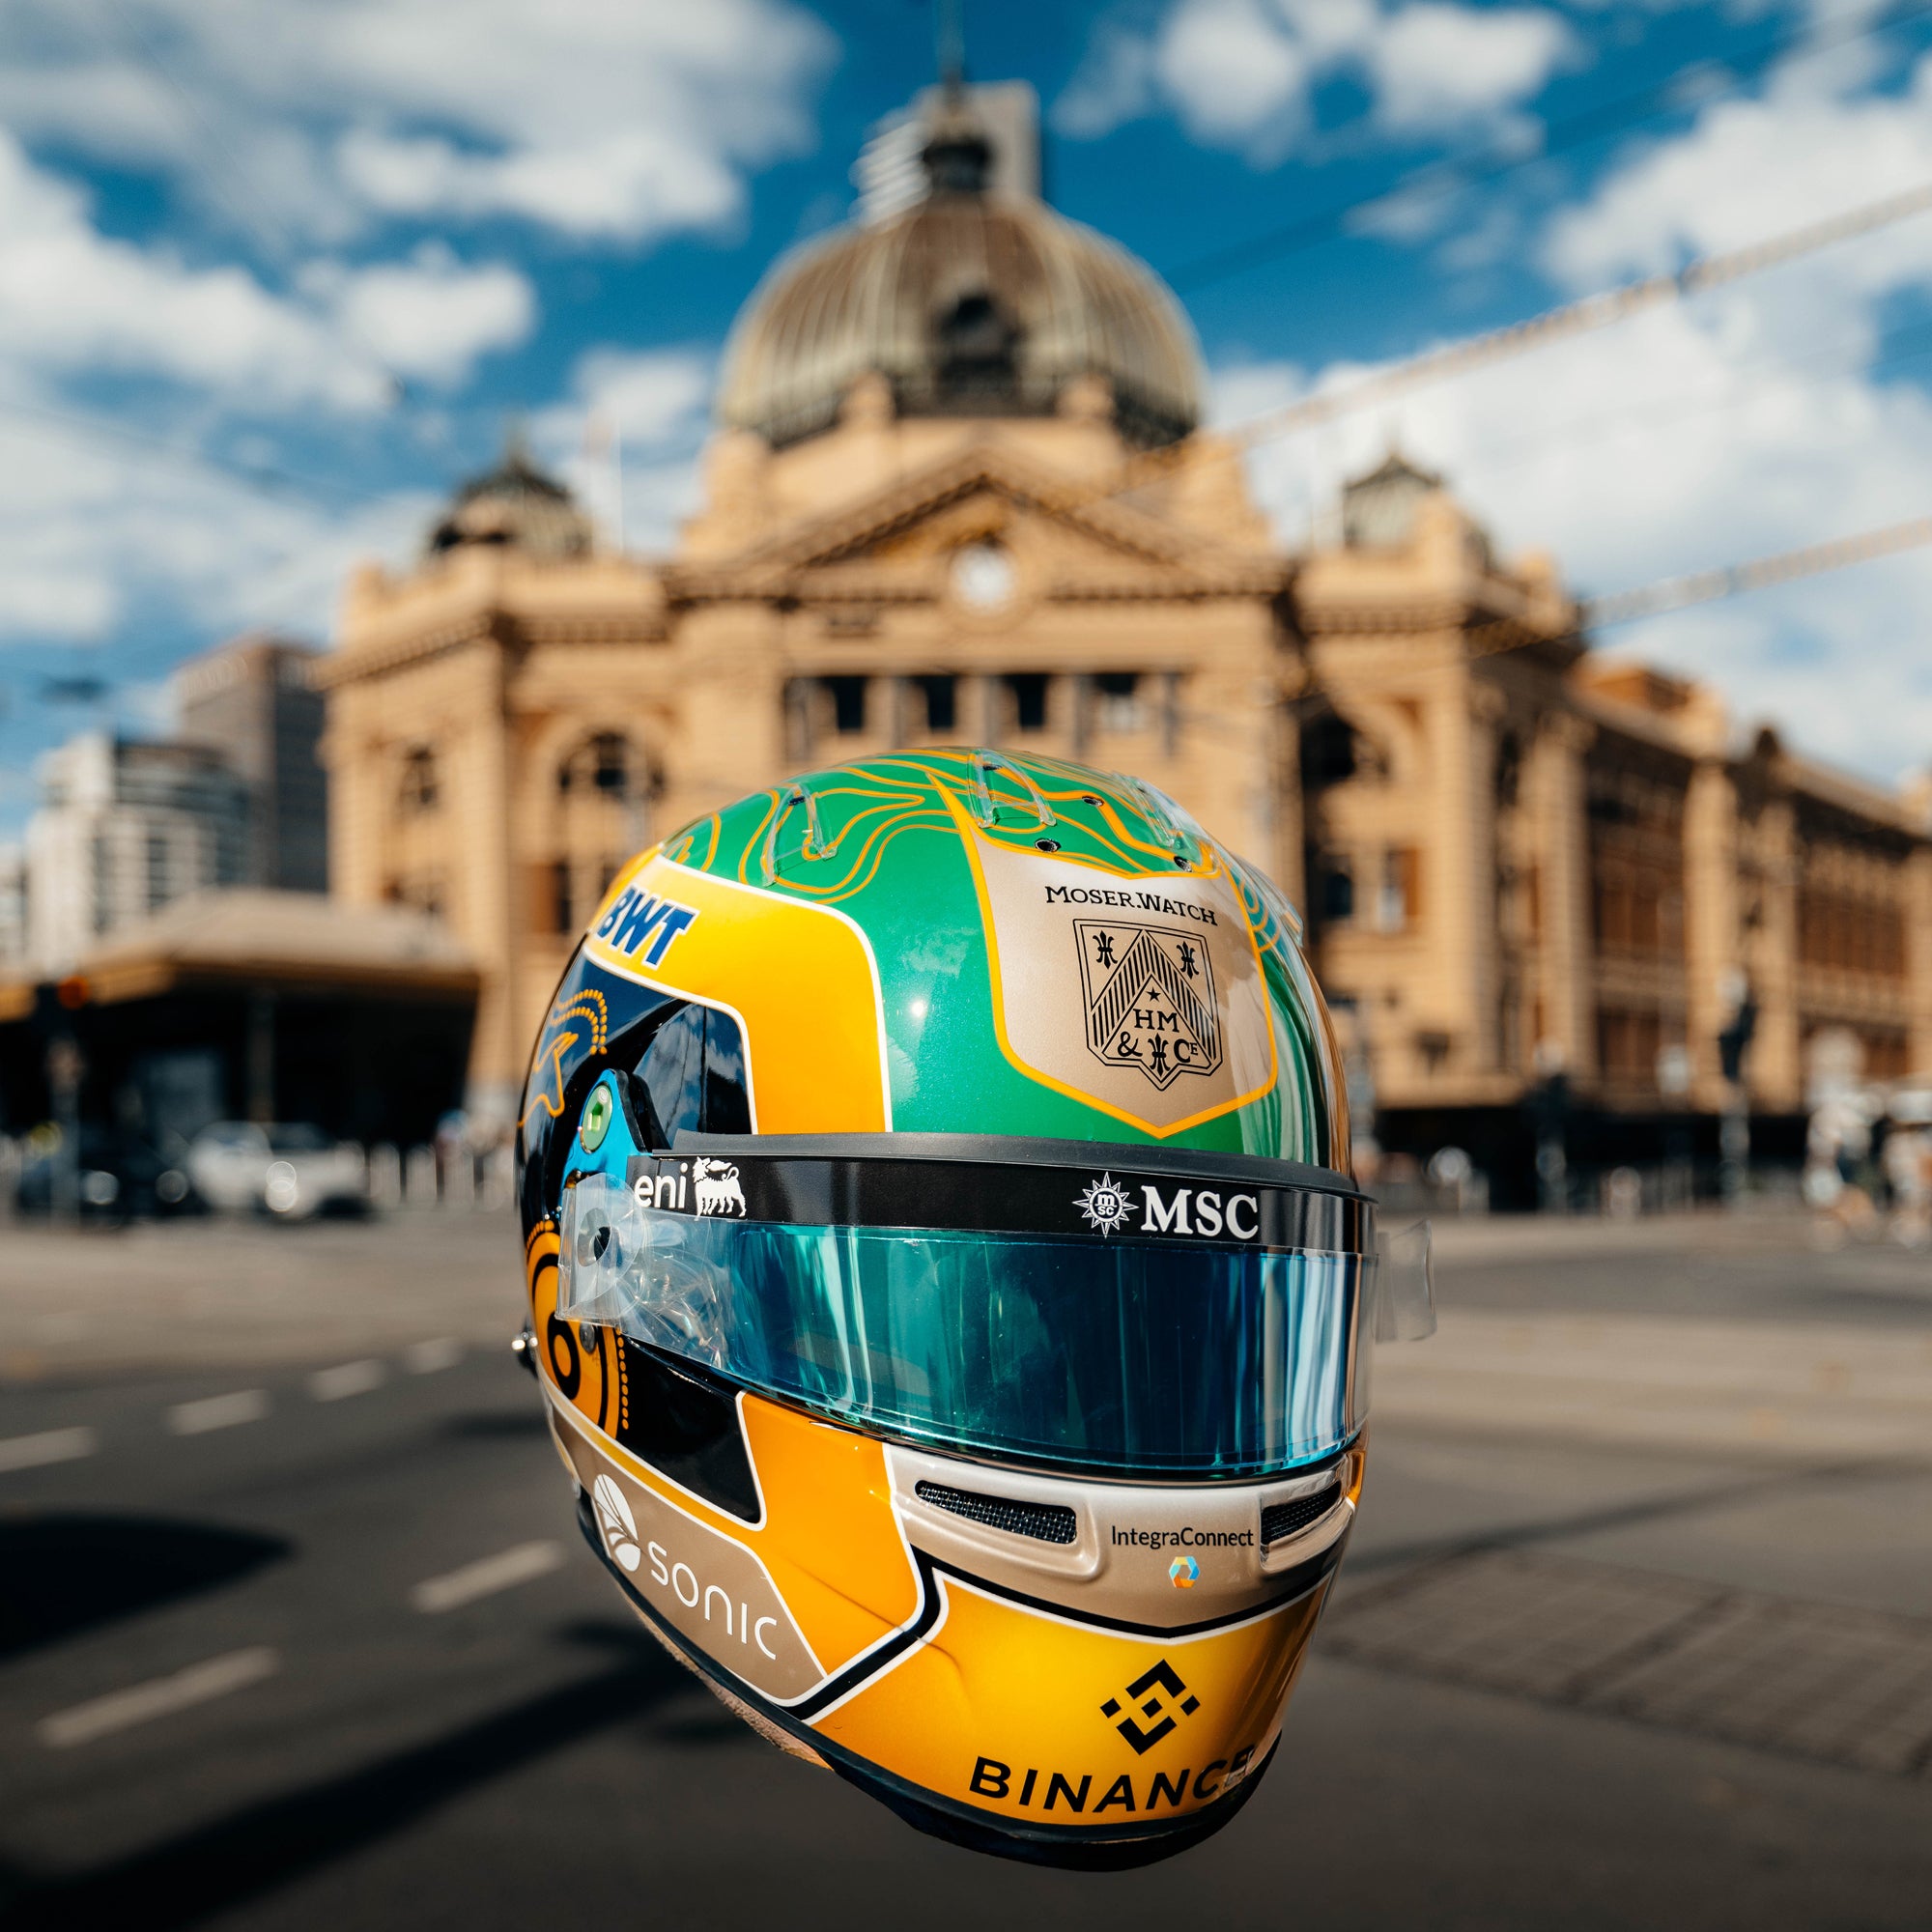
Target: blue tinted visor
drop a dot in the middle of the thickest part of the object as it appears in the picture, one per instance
(1153, 1358)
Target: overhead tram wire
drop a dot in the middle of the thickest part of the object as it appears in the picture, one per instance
(1791, 566)
(1697, 83)
(1582, 317)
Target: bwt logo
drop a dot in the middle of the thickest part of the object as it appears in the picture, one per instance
(640, 922)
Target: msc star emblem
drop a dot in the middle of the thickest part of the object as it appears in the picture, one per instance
(1149, 993)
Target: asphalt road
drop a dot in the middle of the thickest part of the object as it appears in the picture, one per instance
(312, 1646)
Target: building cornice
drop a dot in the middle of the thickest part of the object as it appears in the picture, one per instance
(805, 564)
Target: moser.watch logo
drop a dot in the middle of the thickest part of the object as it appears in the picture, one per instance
(1150, 999)
(1109, 1206)
(1161, 1702)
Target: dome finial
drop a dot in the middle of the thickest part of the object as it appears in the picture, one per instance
(957, 154)
(949, 32)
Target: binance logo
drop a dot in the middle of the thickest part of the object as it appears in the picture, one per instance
(1156, 1694)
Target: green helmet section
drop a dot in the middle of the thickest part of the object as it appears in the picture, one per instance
(903, 846)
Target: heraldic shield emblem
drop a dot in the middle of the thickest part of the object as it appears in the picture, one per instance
(1150, 995)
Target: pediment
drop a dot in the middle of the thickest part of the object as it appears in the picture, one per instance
(897, 542)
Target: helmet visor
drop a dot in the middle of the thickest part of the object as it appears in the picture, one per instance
(1155, 1357)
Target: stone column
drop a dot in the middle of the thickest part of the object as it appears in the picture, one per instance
(1917, 907)
(1712, 934)
(1773, 1067)
(1565, 953)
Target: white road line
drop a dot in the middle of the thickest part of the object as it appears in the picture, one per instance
(217, 1412)
(426, 1358)
(136, 1705)
(53, 1445)
(345, 1379)
(503, 1571)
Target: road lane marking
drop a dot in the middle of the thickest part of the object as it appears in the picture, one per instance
(345, 1379)
(503, 1571)
(119, 1709)
(51, 1445)
(217, 1412)
(427, 1358)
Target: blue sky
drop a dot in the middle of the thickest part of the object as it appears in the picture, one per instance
(228, 229)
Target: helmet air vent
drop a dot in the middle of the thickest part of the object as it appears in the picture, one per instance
(1281, 1521)
(984, 810)
(814, 846)
(1044, 1522)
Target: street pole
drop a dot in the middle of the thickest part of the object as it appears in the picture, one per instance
(64, 1071)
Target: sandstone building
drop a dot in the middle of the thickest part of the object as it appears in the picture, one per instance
(960, 492)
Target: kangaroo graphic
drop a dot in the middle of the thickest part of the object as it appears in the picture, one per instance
(716, 1184)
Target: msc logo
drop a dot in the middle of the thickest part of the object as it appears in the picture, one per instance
(1166, 1686)
(1151, 1004)
(643, 923)
(1183, 1573)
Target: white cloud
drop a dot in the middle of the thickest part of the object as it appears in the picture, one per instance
(431, 317)
(652, 409)
(1735, 426)
(74, 302)
(1239, 73)
(1438, 66)
(617, 117)
(92, 533)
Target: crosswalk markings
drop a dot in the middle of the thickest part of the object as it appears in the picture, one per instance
(140, 1703)
(483, 1578)
(50, 1446)
(346, 1379)
(217, 1412)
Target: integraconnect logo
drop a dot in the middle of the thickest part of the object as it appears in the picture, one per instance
(1183, 1573)
(1156, 1694)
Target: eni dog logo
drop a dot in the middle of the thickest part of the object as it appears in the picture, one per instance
(1149, 993)
(715, 1185)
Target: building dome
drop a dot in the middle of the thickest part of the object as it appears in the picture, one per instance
(515, 504)
(967, 305)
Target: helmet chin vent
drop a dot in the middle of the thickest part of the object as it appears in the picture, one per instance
(1281, 1521)
(1044, 1522)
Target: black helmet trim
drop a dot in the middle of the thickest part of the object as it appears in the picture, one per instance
(1103, 1194)
(1029, 1150)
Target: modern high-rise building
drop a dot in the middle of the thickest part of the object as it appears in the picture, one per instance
(125, 828)
(252, 700)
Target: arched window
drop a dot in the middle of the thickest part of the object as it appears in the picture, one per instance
(604, 763)
(416, 788)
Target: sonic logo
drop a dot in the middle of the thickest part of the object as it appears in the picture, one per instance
(645, 926)
(618, 1526)
(715, 1184)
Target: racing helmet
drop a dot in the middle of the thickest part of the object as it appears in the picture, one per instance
(948, 1293)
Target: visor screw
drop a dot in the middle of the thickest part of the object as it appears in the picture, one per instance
(1181, 862)
(1088, 798)
(1046, 844)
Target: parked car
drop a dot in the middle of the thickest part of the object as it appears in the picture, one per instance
(289, 1170)
(121, 1178)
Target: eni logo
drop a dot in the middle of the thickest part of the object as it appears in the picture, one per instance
(640, 922)
(1183, 1573)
